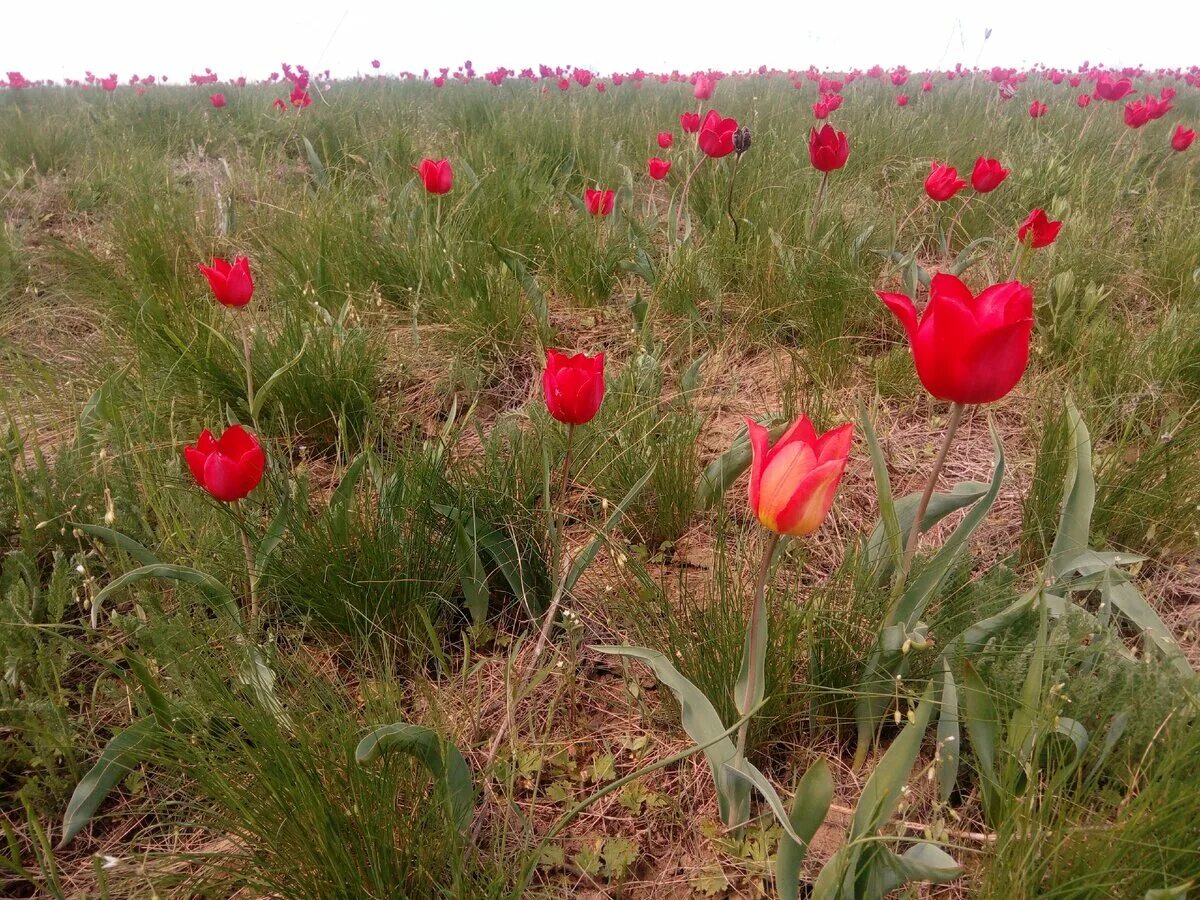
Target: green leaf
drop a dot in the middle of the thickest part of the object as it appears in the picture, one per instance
(584, 559)
(339, 501)
(120, 541)
(219, 596)
(814, 794)
(1079, 497)
(471, 574)
(260, 396)
(889, 523)
(160, 707)
(527, 582)
(723, 471)
(691, 378)
(1021, 733)
(751, 775)
(941, 504)
(272, 537)
(441, 758)
(966, 256)
(515, 263)
(983, 727)
(117, 759)
(1118, 592)
(700, 720)
(319, 176)
(949, 737)
(885, 871)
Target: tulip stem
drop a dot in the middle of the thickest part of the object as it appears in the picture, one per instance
(251, 577)
(729, 198)
(559, 522)
(1018, 258)
(246, 357)
(817, 202)
(914, 534)
(755, 644)
(954, 221)
(687, 184)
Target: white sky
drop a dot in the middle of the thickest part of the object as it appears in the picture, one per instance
(247, 37)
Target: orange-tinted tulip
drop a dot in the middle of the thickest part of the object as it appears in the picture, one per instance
(792, 484)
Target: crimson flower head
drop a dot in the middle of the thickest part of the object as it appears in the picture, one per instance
(665, 139)
(1038, 227)
(902, 100)
(943, 182)
(792, 485)
(927, 86)
(1107, 89)
(436, 174)
(217, 100)
(659, 168)
(689, 122)
(820, 109)
(598, 203)
(1182, 138)
(1083, 100)
(987, 175)
(374, 64)
(716, 135)
(232, 284)
(1136, 114)
(968, 349)
(1037, 109)
(228, 468)
(827, 149)
(703, 87)
(573, 386)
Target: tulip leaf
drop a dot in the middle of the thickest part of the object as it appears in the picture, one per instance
(441, 757)
(219, 596)
(515, 263)
(700, 720)
(883, 871)
(472, 574)
(756, 779)
(120, 541)
(260, 396)
(339, 501)
(272, 537)
(723, 471)
(882, 790)
(941, 504)
(584, 559)
(966, 256)
(117, 760)
(1079, 498)
(319, 176)
(949, 736)
(1118, 592)
(983, 727)
(810, 806)
(691, 377)
(888, 519)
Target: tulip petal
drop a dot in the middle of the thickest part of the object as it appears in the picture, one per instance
(782, 476)
(902, 308)
(1002, 304)
(800, 430)
(195, 461)
(811, 500)
(223, 478)
(759, 440)
(835, 443)
(998, 359)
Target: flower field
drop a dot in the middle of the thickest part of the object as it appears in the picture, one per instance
(549, 483)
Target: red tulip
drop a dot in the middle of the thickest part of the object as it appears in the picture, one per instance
(820, 109)
(598, 203)
(217, 100)
(827, 149)
(564, 84)
(1038, 227)
(229, 468)
(902, 100)
(665, 139)
(436, 175)
(374, 64)
(1083, 100)
(1136, 114)
(926, 86)
(1037, 109)
(716, 135)
(689, 122)
(573, 386)
(232, 285)
(987, 175)
(703, 88)
(1107, 89)
(279, 104)
(943, 182)
(968, 349)
(792, 485)
(659, 168)
(1182, 138)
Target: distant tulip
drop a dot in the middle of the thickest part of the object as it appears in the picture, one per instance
(1083, 100)
(217, 100)
(665, 139)
(792, 484)
(1136, 114)
(689, 122)
(943, 182)
(436, 175)
(703, 87)
(573, 386)
(902, 100)
(598, 203)
(926, 86)
(659, 168)
(1039, 229)
(228, 468)
(820, 109)
(1107, 89)
(968, 349)
(1182, 138)
(374, 64)
(1037, 109)
(232, 284)
(564, 84)
(279, 104)
(827, 149)
(987, 175)
(716, 135)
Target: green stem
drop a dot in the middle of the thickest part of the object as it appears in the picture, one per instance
(817, 202)
(729, 198)
(1017, 259)
(556, 553)
(251, 578)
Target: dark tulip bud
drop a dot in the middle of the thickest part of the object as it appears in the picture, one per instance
(741, 140)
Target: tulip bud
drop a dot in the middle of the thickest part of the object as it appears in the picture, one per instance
(229, 467)
(741, 140)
